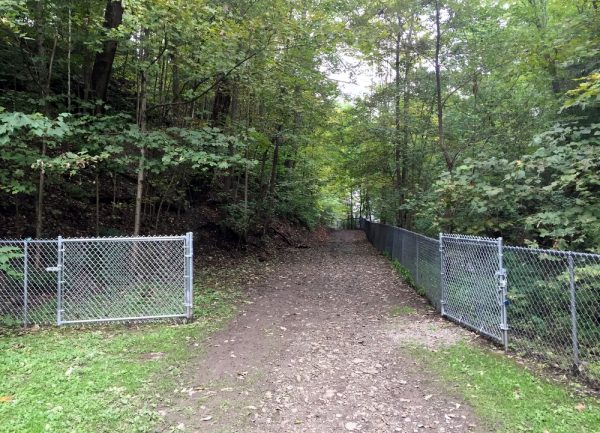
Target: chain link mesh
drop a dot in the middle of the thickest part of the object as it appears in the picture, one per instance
(553, 311)
(470, 283)
(27, 290)
(91, 280)
(418, 254)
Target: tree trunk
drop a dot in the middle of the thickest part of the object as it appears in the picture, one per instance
(40, 198)
(221, 103)
(397, 126)
(271, 190)
(113, 17)
(97, 204)
(405, 128)
(69, 65)
(43, 82)
(141, 121)
(438, 88)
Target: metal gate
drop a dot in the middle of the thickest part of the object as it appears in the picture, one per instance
(474, 284)
(119, 279)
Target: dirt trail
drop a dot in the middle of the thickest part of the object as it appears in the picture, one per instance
(317, 349)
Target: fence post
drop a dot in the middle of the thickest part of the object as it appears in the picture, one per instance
(502, 288)
(573, 291)
(401, 260)
(59, 268)
(442, 277)
(417, 261)
(25, 281)
(189, 259)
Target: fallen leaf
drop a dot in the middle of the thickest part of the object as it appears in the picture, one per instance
(5, 398)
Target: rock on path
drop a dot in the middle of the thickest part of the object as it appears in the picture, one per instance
(316, 350)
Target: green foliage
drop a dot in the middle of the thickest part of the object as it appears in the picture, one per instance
(586, 94)
(515, 163)
(547, 197)
(7, 255)
(401, 310)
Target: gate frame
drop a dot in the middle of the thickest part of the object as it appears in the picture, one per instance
(188, 277)
(501, 287)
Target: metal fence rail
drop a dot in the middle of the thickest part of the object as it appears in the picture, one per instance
(540, 303)
(81, 280)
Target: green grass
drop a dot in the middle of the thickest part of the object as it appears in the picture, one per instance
(510, 397)
(401, 310)
(99, 379)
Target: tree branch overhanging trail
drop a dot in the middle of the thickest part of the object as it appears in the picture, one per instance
(231, 115)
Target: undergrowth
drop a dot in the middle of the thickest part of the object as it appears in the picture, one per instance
(405, 274)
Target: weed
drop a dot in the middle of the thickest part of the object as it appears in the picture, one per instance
(401, 310)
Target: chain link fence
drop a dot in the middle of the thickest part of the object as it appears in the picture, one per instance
(419, 254)
(539, 303)
(81, 280)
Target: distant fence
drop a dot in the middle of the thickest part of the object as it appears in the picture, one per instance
(540, 303)
(82, 280)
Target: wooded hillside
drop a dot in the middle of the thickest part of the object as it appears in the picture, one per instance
(154, 116)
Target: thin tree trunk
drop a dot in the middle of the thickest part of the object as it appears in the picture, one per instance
(141, 119)
(397, 126)
(246, 219)
(40, 197)
(271, 190)
(114, 199)
(43, 76)
(162, 200)
(403, 214)
(97, 204)
(438, 87)
(69, 65)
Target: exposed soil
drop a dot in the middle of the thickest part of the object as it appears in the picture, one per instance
(316, 349)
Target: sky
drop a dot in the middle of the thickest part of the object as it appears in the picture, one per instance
(355, 79)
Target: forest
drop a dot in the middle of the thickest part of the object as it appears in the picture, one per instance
(162, 116)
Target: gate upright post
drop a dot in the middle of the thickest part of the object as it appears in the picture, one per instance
(502, 286)
(60, 273)
(417, 261)
(25, 281)
(442, 277)
(189, 260)
(573, 291)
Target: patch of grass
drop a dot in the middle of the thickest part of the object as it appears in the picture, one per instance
(406, 276)
(100, 379)
(510, 397)
(401, 310)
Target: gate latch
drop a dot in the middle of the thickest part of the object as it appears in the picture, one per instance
(502, 281)
(53, 269)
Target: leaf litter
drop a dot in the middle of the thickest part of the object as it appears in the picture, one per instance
(313, 349)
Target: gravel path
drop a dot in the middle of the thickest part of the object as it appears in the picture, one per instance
(318, 349)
